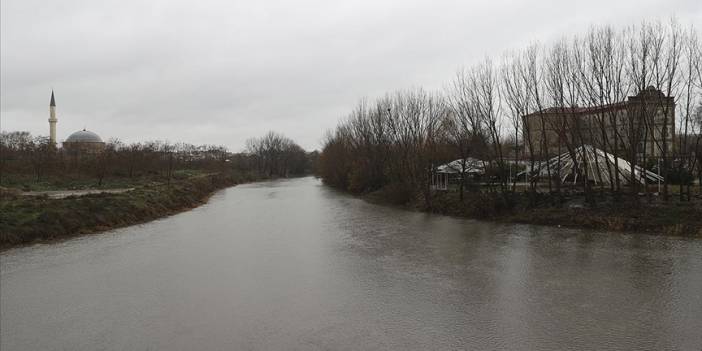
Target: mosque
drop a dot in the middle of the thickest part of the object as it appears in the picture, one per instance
(82, 142)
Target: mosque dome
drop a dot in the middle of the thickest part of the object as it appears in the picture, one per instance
(83, 136)
(83, 142)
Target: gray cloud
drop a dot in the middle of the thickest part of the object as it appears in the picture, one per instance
(222, 71)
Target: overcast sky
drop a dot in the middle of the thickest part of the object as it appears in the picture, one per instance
(218, 72)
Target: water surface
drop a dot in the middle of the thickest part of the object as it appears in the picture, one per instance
(294, 265)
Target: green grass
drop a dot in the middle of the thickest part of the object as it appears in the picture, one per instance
(74, 182)
(27, 219)
(659, 217)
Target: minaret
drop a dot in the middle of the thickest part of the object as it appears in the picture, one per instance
(52, 119)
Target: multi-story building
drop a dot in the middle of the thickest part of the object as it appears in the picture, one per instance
(643, 124)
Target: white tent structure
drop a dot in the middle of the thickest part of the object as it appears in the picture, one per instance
(472, 166)
(595, 165)
(440, 176)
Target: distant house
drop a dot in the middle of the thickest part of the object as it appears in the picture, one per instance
(640, 121)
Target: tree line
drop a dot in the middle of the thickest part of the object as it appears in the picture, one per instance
(33, 158)
(275, 154)
(398, 140)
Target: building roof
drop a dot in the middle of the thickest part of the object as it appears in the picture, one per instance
(83, 136)
(650, 93)
(594, 165)
(53, 102)
(580, 110)
(472, 165)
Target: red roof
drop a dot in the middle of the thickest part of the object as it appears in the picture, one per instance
(580, 110)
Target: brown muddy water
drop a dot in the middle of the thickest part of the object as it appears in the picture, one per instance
(294, 265)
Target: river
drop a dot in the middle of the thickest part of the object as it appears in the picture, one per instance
(295, 265)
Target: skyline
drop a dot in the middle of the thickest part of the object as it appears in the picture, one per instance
(224, 73)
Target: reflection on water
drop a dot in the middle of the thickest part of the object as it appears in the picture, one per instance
(296, 265)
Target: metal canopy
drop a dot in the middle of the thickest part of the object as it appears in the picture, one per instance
(595, 165)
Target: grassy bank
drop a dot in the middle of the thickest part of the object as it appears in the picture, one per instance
(626, 215)
(26, 219)
(673, 219)
(24, 182)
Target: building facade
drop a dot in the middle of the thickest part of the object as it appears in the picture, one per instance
(643, 125)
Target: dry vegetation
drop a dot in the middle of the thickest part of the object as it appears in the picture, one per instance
(393, 145)
(166, 178)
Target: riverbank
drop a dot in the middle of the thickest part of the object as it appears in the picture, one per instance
(640, 216)
(29, 219)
